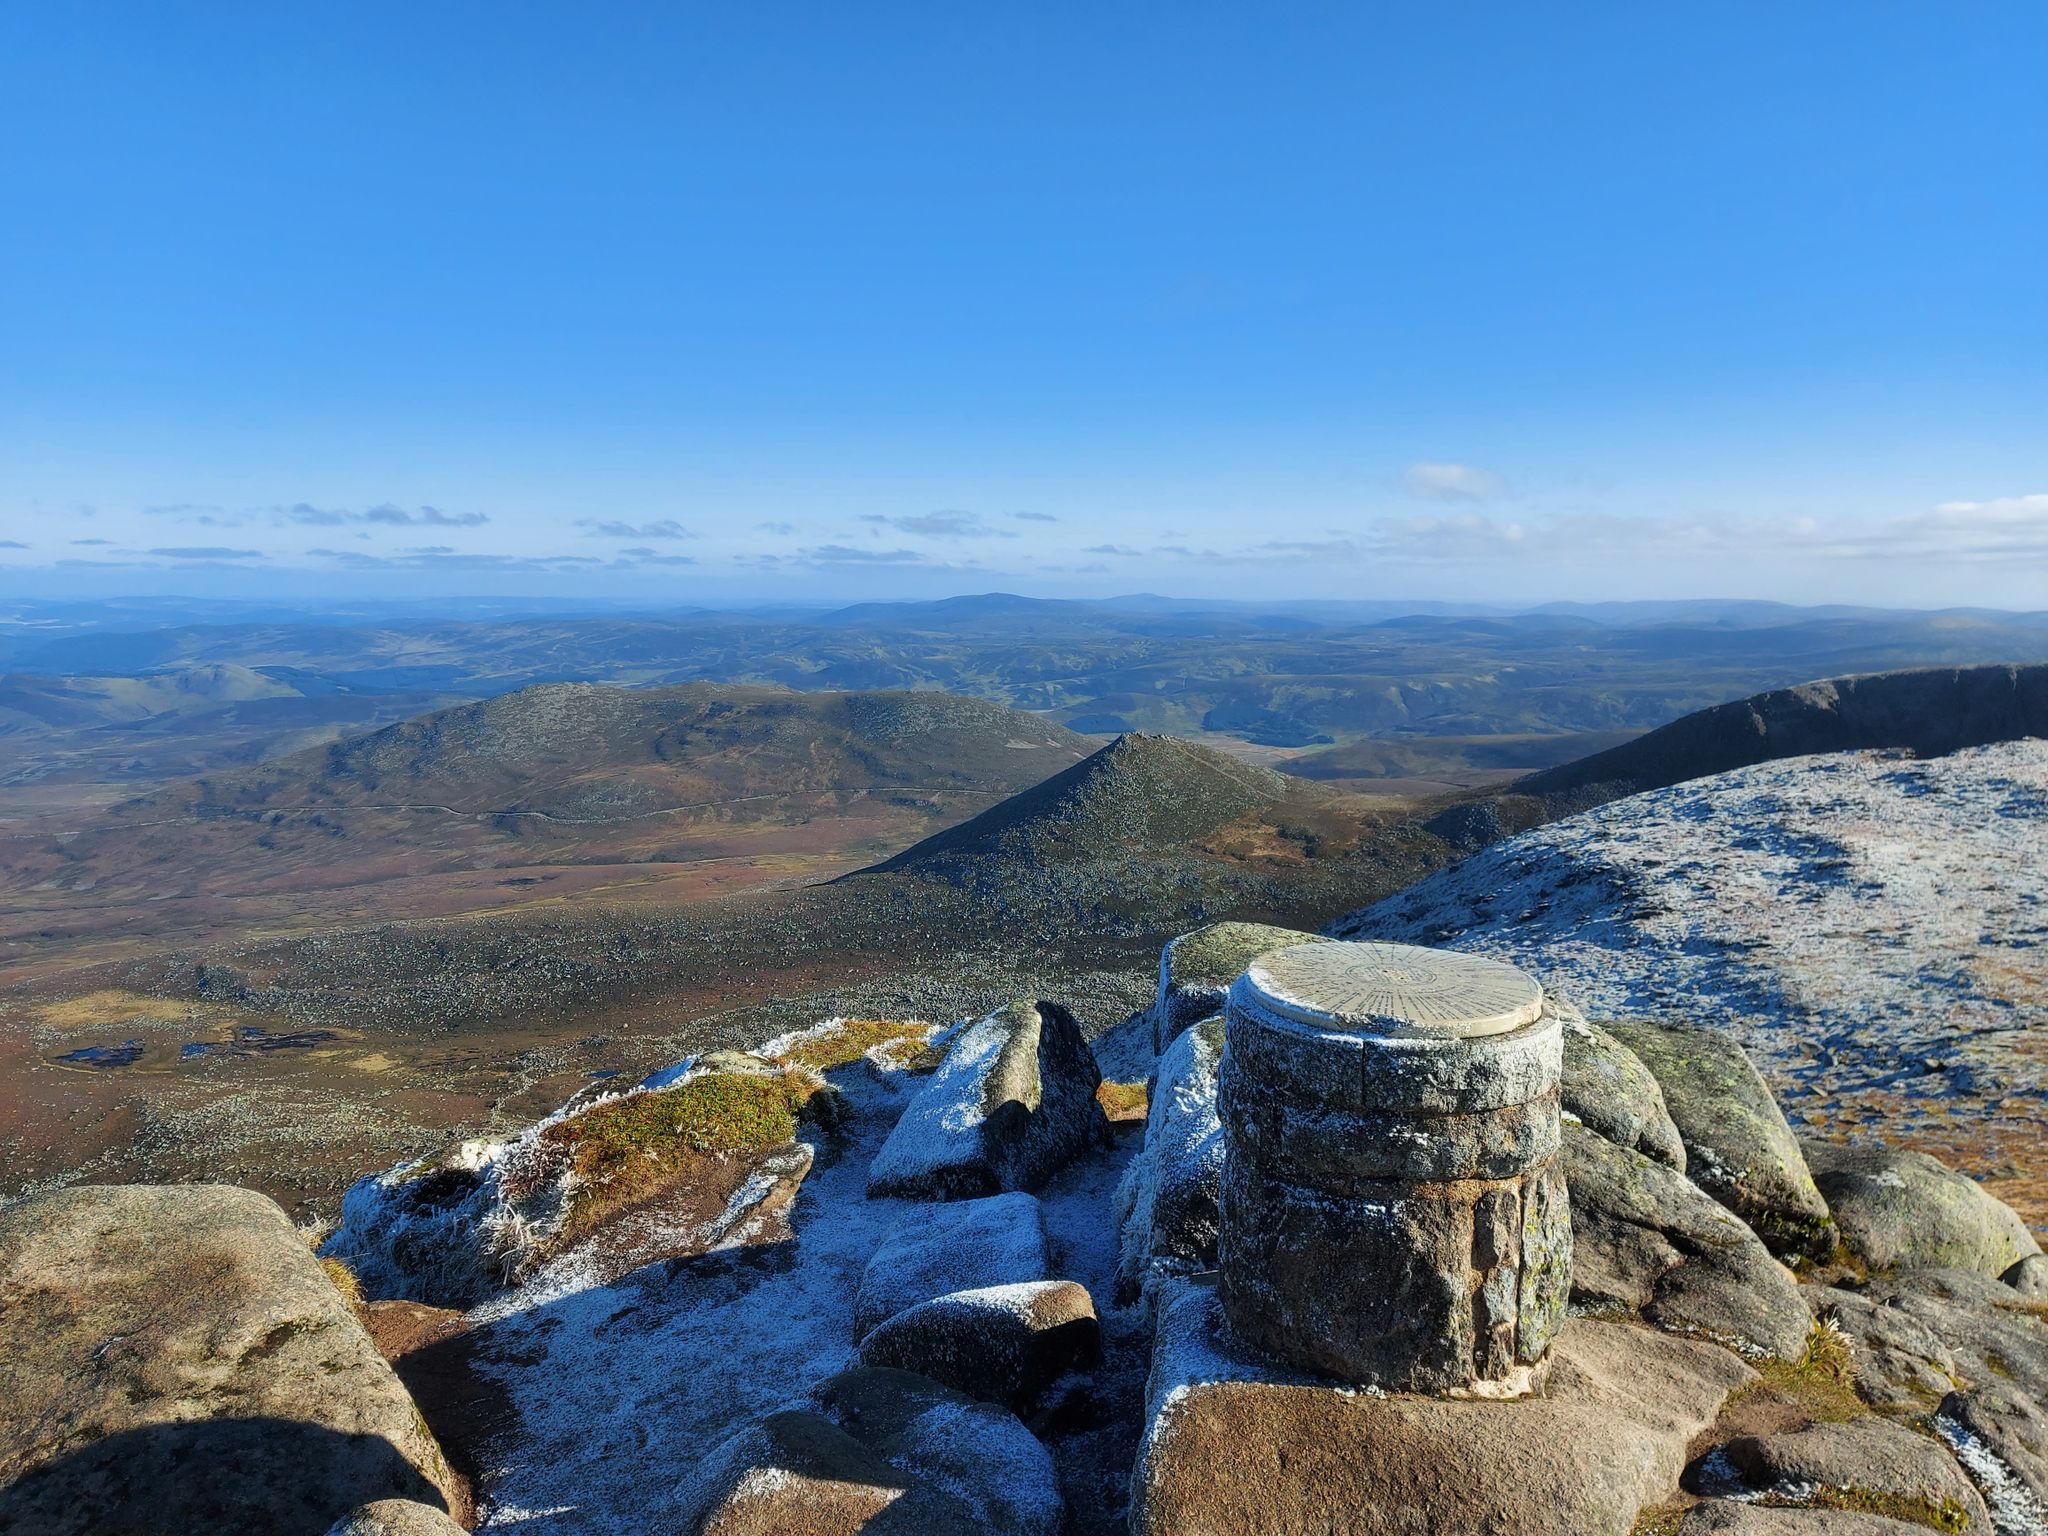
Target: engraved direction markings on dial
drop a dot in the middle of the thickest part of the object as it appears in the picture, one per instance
(1414, 990)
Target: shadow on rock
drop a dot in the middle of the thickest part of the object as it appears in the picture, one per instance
(255, 1477)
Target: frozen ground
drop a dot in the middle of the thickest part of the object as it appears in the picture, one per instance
(618, 1390)
(1873, 928)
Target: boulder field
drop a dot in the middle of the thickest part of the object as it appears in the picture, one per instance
(885, 1278)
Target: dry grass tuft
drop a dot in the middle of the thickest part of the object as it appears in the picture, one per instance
(1821, 1383)
(344, 1280)
(1122, 1101)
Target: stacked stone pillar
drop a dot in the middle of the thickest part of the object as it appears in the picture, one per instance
(1391, 1215)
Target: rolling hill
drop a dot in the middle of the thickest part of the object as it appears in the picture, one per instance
(549, 791)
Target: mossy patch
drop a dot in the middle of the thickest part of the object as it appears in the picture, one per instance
(848, 1041)
(1215, 955)
(633, 1148)
(1122, 1101)
(1947, 1515)
(1658, 1522)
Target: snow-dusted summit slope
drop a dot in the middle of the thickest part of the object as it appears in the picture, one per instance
(1874, 928)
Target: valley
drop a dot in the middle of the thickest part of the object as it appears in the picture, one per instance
(286, 970)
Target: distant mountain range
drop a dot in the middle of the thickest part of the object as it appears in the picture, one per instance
(1540, 686)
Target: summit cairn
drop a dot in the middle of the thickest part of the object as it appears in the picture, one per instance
(1392, 1214)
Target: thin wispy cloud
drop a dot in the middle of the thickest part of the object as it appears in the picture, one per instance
(1452, 482)
(850, 554)
(387, 514)
(441, 557)
(206, 552)
(1034, 517)
(1110, 549)
(2009, 529)
(664, 528)
(941, 525)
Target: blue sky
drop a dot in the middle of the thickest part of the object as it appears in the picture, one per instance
(744, 302)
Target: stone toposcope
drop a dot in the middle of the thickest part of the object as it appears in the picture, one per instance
(1392, 1214)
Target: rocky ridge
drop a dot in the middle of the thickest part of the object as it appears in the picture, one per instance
(1869, 927)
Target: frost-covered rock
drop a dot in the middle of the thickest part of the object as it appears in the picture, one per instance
(1872, 1460)
(173, 1358)
(1966, 1347)
(877, 1453)
(1232, 1444)
(1167, 1205)
(2001, 1434)
(1870, 928)
(1610, 1091)
(1002, 1344)
(1996, 1345)
(1738, 1147)
(1012, 1104)
(963, 1245)
(395, 1517)
(1196, 970)
(1648, 1239)
(1899, 1209)
(460, 1227)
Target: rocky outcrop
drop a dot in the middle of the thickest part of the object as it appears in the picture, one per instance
(966, 1245)
(2029, 1277)
(1928, 711)
(1647, 1239)
(699, 1158)
(1738, 1147)
(1968, 1348)
(876, 1453)
(1002, 1344)
(1901, 1363)
(1233, 1446)
(395, 1517)
(174, 1358)
(1871, 1462)
(2001, 1433)
(1899, 1209)
(1167, 1205)
(1196, 970)
(1609, 1090)
(1013, 1102)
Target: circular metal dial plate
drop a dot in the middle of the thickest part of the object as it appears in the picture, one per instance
(1396, 989)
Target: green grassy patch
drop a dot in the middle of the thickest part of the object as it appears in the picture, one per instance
(849, 1041)
(1658, 1522)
